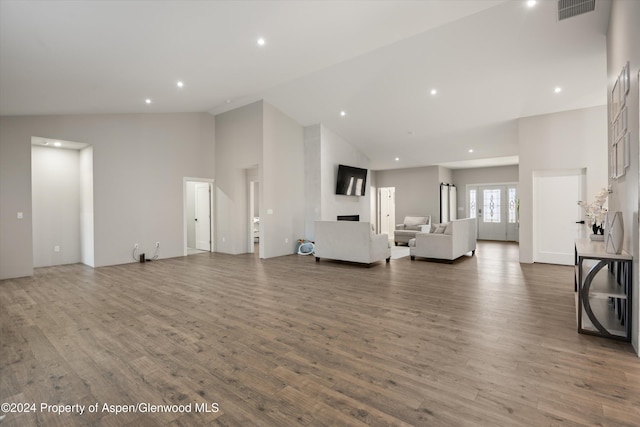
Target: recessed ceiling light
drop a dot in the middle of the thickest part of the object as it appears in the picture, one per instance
(148, 101)
(471, 150)
(57, 144)
(261, 41)
(397, 159)
(434, 91)
(558, 89)
(531, 3)
(45, 143)
(180, 84)
(343, 113)
(228, 101)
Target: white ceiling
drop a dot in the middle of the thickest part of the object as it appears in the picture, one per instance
(491, 61)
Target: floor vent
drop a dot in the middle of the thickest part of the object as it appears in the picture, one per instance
(571, 8)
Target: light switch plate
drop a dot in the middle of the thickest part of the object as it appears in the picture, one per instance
(20, 215)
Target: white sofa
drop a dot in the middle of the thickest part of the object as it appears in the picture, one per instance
(350, 241)
(458, 238)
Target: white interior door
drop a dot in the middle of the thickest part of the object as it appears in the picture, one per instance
(203, 216)
(387, 210)
(555, 213)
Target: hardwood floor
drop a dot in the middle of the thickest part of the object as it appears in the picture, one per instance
(288, 341)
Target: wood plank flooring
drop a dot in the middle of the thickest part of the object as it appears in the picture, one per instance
(484, 341)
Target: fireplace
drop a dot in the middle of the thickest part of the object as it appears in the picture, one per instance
(348, 217)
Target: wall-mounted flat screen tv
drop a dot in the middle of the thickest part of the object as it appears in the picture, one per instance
(351, 181)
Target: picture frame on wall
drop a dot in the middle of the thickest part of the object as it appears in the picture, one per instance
(612, 163)
(615, 100)
(619, 126)
(623, 121)
(618, 149)
(624, 77)
(620, 158)
(626, 146)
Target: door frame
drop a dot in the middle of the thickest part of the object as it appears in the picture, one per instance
(392, 211)
(210, 181)
(251, 206)
(535, 226)
(506, 185)
(198, 206)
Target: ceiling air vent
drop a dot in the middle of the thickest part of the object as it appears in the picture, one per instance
(571, 8)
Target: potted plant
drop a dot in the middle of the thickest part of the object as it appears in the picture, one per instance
(595, 214)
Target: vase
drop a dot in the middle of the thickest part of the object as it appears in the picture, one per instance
(614, 233)
(598, 232)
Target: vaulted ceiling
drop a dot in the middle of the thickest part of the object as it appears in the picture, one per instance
(489, 61)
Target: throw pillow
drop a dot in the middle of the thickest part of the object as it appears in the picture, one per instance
(449, 229)
(440, 229)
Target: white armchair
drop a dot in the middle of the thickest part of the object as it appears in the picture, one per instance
(350, 241)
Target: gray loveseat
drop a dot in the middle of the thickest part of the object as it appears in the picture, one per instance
(409, 227)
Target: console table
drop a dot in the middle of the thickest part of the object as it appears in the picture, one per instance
(603, 286)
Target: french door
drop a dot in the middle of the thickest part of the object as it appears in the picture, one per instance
(496, 207)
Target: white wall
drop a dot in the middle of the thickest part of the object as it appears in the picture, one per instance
(324, 150)
(238, 148)
(191, 214)
(335, 151)
(445, 175)
(259, 139)
(489, 175)
(417, 190)
(256, 199)
(282, 189)
(567, 140)
(139, 164)
(55, 182)
(623, 44)
(86, 207)
(312, 179)
(16, 241)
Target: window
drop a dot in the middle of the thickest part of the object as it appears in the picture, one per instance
(513, 204)
(472, 203)
(491, 207)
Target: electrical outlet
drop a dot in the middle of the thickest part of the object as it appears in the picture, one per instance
(135, 246)
(224, 239)
(157, 244)
(56, 248)
(286, 240)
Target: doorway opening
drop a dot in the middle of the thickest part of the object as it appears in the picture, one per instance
(387, 211)
(62, 202)
(198, 208)
(254, 229)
